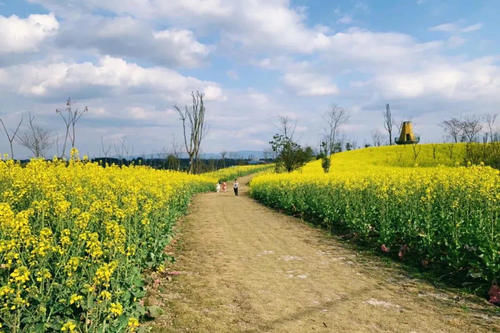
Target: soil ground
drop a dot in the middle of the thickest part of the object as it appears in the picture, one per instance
(246, 268)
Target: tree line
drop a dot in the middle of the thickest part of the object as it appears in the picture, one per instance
(285, 150)
(470, 129)
(38, 140)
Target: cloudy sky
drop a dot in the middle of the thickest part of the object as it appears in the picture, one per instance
(130, 61)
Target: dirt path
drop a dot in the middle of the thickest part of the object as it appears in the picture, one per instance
(245, 268)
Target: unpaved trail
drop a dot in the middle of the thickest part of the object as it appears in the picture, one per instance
(246, 268)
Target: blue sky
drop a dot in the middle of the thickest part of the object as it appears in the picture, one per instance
(130, 61)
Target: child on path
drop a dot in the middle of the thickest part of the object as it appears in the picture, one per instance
(235, 187)
(224, 187)
(217, 187)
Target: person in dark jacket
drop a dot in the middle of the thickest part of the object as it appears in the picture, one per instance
(235, 187)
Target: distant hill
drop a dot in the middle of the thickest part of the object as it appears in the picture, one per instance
(242, 154)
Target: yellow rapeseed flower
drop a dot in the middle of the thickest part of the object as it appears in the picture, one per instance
(69, 326)
(116, 309)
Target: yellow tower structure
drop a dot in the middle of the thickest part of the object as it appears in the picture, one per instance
(407, 136)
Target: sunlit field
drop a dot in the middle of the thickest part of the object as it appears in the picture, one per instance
(75, 238)
(426, 209)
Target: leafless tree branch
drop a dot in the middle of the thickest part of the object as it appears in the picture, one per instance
(193, 127)
(70, 117)
(388, 122)
(334, 119)
(11, 136)
(35, 138)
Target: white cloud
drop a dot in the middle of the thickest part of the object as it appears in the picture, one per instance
(445, 27)
(466, 81)
(271, 25)
(473, 27)
(19, 35)
(182, 43)
(146, 39)
(133, 38)
(110, 77)
(256, 24)
(369, 50)
(309, 84)
(455, 28)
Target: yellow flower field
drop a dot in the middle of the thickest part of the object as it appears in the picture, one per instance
(436, 215)
(236, 171)
(75, 237)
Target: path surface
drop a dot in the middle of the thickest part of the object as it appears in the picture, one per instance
(246, 268)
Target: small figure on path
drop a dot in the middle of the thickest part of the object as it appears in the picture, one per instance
(217, 187)
(235, 187)
(224, 187)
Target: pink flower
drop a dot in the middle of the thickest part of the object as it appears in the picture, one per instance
(494, 294)
(402, 251)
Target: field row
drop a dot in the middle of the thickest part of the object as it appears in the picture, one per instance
(446, 217)
(75, 239)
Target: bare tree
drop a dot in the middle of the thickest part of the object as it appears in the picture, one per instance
(35, 138)
(377, 138)
(11, 136)
(354, 143)
(57, 145)
(70, 117)
(453, 128)
(175, 147)
(388, 122)
(105, 148)
(416, 150)
(471, 127)
(269, 154)
(399, 126)
(490, 123)
(334, 118)
(287, 126)
(123, 149)
(223, 156)
(193, 126)
(434, 151)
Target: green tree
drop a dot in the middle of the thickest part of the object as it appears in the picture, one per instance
(290, 154)
(325, 158)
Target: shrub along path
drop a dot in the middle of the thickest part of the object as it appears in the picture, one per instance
(244, 267)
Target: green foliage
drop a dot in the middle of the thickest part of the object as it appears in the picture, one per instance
(325, 158)
(485, 153)
(290, 154)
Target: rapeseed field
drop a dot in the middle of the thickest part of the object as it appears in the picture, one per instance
(233, 172)
(426, 209)
(75, 238)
